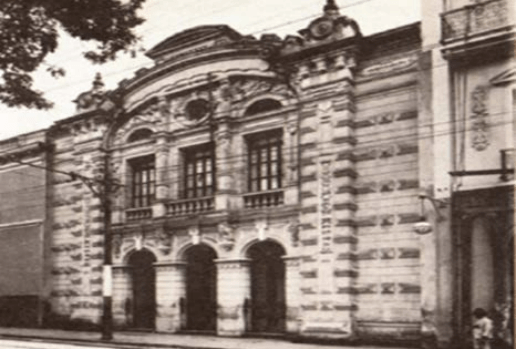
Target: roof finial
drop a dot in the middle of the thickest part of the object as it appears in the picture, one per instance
(98, 84)
(330, 6)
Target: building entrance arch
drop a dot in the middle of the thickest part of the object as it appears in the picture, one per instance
(268, 306)
(143, 278)
(201, 288)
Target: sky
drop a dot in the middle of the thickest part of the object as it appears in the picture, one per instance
(164, 18)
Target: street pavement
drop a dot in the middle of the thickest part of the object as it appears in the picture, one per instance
(18, 338)
(23, 344)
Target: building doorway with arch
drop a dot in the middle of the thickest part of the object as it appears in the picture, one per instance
(201, 289)
(144, 289)
(268, 306)
(484, 274)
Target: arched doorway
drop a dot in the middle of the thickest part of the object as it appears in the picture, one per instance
(144, 289)
(201, 292)
(267, 287)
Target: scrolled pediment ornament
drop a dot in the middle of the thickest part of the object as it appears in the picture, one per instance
(246, 89)
(154, 117)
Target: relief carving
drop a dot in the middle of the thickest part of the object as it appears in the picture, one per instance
(293, 229)
(195, 235)
(164, 241)
(117, 245)
(245, 89)
(226, 237)
(480, 127)
(262, 226)
(153, 115)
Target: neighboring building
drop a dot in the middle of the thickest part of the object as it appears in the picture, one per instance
(264, 186)
(23, 229)
(471, 78)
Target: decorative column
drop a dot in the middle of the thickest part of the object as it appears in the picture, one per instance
(161, 163)
(225, 185)
(174, 177)
(170, 296)
(292, 296)
(118, 214)
(291, 165)
(233, 296)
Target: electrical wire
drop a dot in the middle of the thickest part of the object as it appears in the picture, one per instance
(411, 136)
(376, 174)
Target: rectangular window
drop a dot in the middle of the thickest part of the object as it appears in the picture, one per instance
(264, 161)
(143, 181)
(199, 171)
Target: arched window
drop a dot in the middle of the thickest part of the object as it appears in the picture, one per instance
(262, 106)
(139, 135)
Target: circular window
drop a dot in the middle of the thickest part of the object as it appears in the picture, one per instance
(197, 109)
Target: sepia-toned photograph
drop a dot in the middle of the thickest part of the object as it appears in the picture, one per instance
(273, 174)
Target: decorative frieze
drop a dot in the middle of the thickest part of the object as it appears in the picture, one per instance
(389, 253)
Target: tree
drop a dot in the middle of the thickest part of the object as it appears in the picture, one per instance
(29, 32)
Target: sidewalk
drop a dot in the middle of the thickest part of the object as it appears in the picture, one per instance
(165, 340)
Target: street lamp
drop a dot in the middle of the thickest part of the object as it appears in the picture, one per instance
(424, 227)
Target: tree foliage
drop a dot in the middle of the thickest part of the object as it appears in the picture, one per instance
(29, 32)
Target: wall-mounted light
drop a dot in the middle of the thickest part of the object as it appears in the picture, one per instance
(424, 227)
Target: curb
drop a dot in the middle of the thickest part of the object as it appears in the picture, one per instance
(91, 342)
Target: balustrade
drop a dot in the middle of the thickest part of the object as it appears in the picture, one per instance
(263, 199)
(135, 214)
(474, 19)
(190, 206)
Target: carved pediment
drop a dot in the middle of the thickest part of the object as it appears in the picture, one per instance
(506, 77)
(193, 40)
(328, 28)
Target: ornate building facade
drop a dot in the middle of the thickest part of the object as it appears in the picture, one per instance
(256, 186)
(469, 60)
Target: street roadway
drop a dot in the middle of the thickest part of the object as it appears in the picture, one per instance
(41, 344)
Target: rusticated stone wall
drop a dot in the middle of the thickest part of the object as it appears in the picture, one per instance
(77, 244)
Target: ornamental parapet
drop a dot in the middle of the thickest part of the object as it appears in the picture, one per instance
(474, 19)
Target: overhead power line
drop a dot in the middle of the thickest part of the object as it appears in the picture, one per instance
(237, 160)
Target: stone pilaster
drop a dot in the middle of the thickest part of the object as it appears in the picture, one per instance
(292, 294)
(291, 163)
(161, 165)
(122, 296)
(225, 185)
(170, 296)
(174, 177)
(327, 141)
(233, 289)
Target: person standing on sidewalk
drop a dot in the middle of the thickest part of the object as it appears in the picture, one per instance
(482, 329)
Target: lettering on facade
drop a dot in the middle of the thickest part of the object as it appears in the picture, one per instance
(86, 242)
(325, 208)
(86, 245)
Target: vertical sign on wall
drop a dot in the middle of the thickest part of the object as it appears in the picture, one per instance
(325, 273)
(86, 244)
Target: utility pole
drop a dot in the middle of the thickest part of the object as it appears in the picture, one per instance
(103, 189)
(107, 283)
